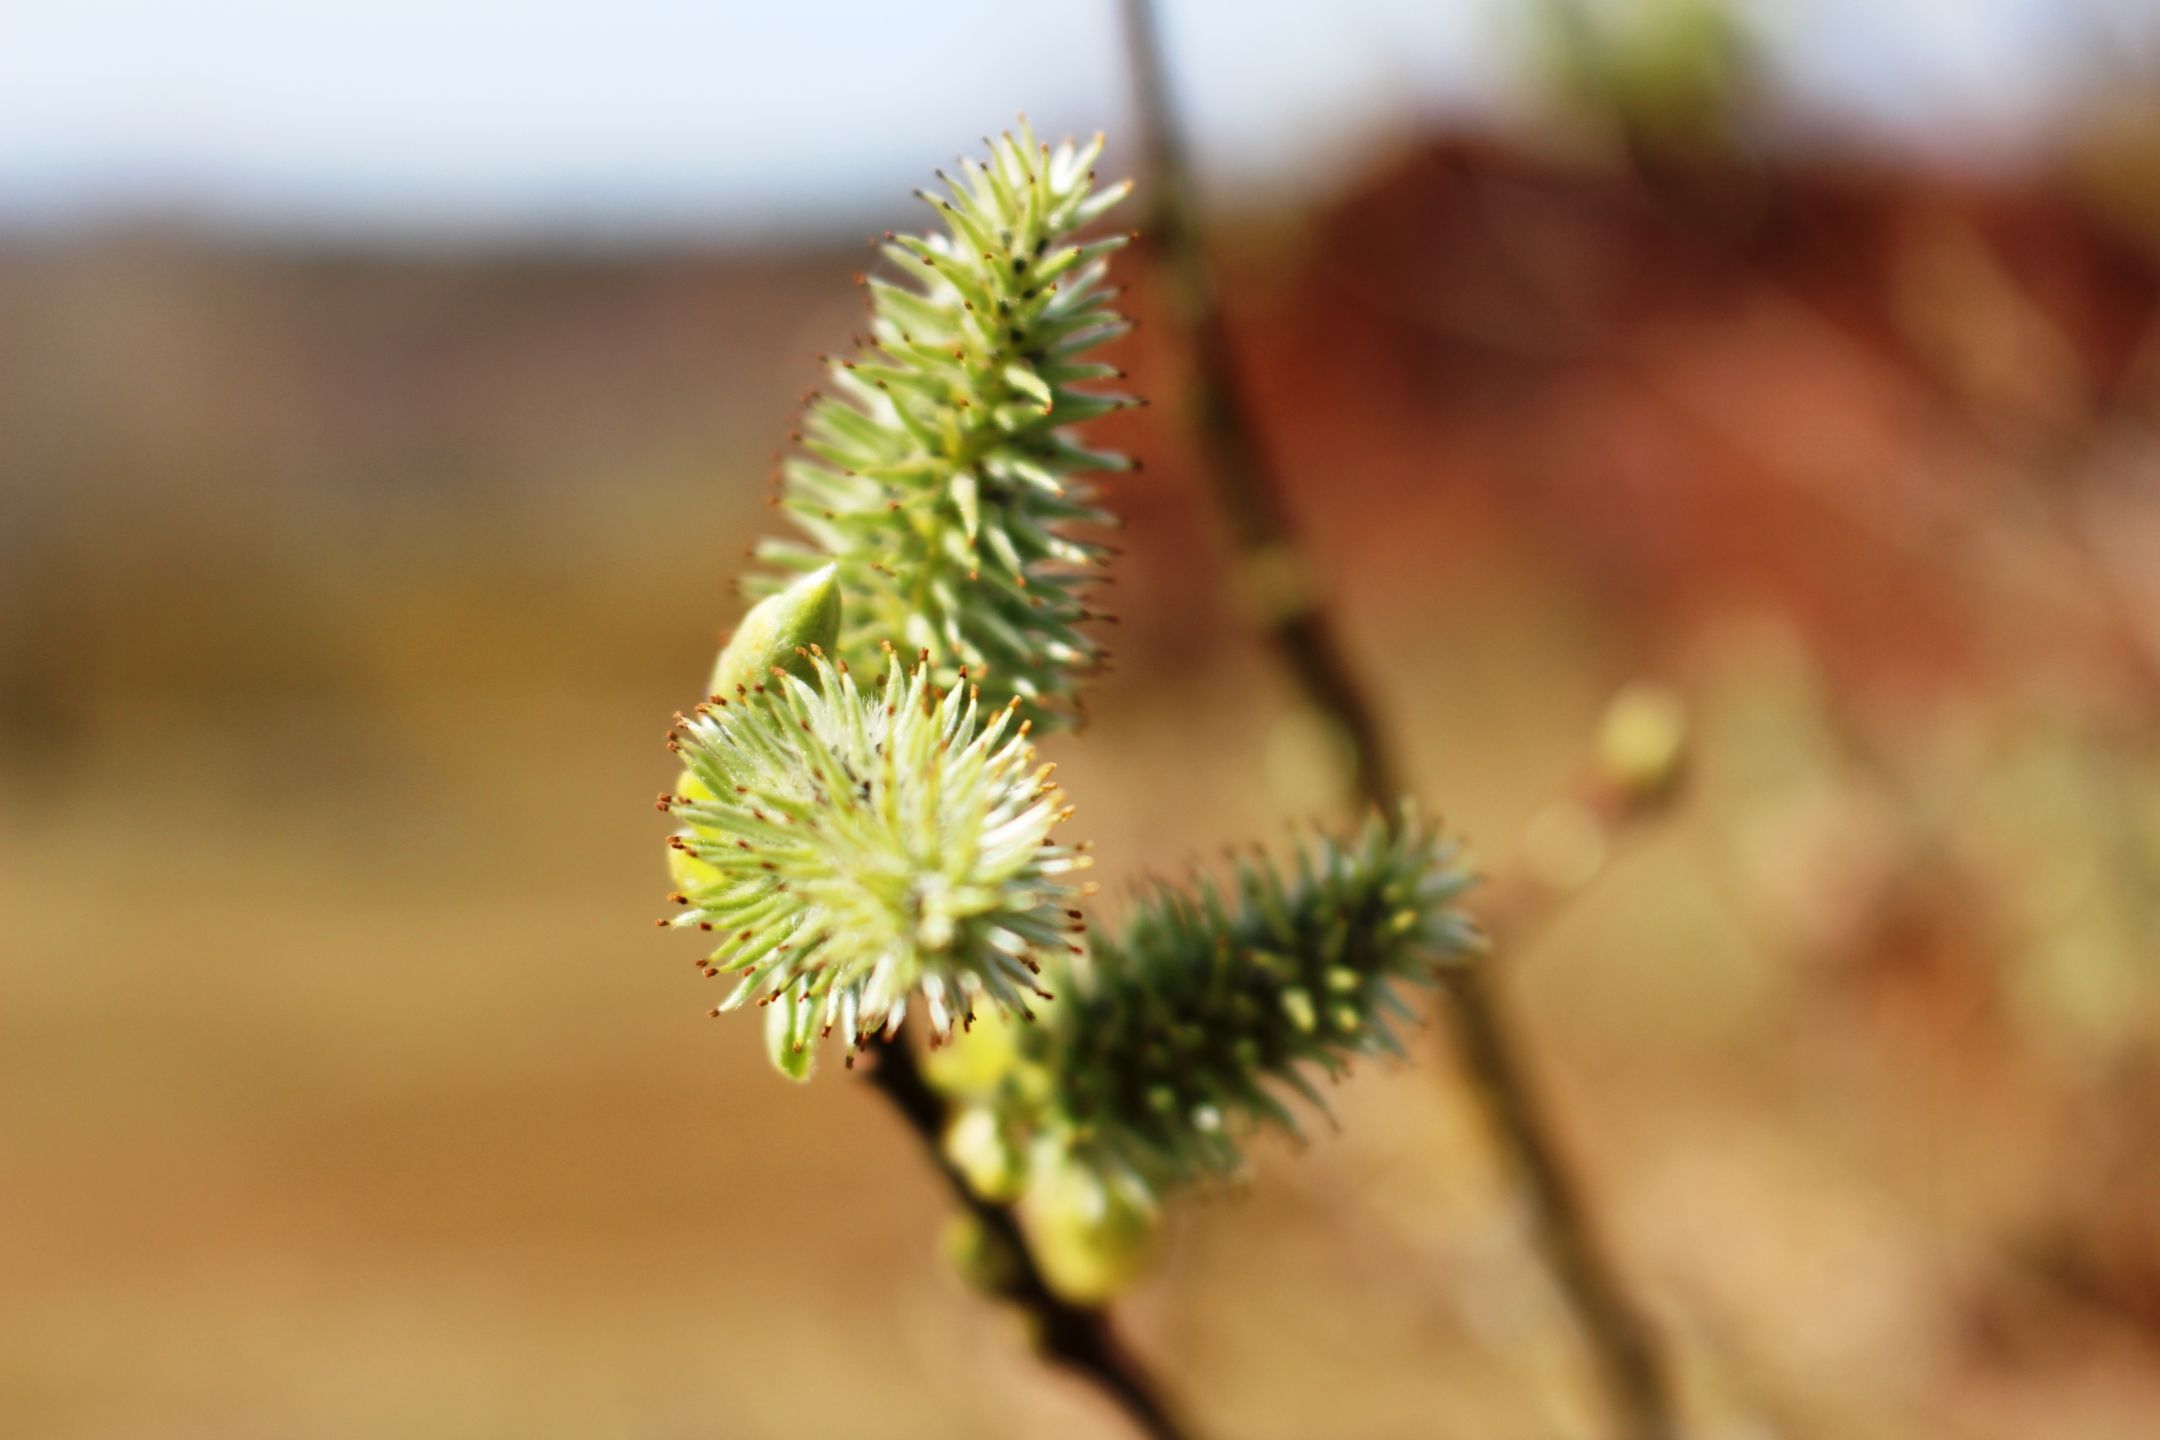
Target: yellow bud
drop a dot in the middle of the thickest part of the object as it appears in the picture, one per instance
(1642, 740)
(979, 1147)
(1095, 1233)
(976, 1060)
(1275, 583)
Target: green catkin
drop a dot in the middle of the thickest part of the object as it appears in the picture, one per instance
(861, 851)
(1171, 1038)
(939, 471)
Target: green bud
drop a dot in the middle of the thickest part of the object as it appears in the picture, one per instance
(779, 630)
(1642, 741)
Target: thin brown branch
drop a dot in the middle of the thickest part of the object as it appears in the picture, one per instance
(1625, 1346)
(1274, 577)
(1079, 1337)
(1290, 612)
(1632, 780)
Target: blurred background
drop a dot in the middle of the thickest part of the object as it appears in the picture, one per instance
(387, 393)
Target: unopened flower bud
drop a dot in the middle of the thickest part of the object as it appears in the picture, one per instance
(782, 630)
(979, 1146)
(1095, 1231)
(1642, 741)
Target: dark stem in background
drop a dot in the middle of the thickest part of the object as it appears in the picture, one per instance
(1079, 1337)
(1626, 1348)
(1274, 579)
(1273, 569)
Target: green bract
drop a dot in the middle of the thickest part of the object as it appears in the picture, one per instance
(1167, 1037)
(783, 629)
(856, 848)
(941, 474)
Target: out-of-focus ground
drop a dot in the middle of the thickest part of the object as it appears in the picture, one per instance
(346, 1090)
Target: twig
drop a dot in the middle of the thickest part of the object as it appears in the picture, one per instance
(1079, 1337)
(1276, 576)
(1519, 898)
(1625, 1346)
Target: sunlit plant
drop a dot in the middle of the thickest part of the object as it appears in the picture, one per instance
(866, 835)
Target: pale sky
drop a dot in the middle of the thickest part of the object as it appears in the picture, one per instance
(536, 117)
